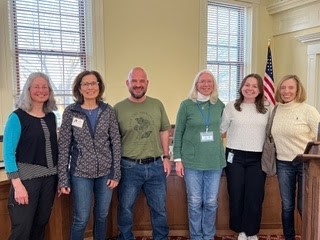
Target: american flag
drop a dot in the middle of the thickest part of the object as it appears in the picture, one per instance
(268, 84)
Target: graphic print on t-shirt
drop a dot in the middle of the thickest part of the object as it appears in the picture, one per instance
(141, 123)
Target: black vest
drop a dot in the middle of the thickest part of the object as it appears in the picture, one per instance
(32, 147)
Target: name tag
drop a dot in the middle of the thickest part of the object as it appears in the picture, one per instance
(206, 137)
(77, 122)
(230, 157)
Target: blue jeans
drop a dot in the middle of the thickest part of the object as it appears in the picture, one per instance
(82, 190)
(202, 190)
(151, 179)
(288, 176)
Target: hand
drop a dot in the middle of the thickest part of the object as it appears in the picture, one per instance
(20, 192)
(112, 183)
(64, 190)
(179, 169)
(167, 166)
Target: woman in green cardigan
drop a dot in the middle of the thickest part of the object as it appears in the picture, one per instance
(199, 153)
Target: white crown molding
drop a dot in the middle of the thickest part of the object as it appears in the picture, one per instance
(309, 38)
(277, 6)
(237, 1)
(304, 17)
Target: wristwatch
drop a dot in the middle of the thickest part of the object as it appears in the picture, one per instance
(166, 156)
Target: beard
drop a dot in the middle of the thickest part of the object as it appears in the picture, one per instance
(137, 96)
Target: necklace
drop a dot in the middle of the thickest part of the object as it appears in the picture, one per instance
(89, 109)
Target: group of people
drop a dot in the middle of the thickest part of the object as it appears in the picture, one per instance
(99, 148)
(202, 123)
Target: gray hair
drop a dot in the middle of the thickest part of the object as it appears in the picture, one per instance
(25, 102)
(193, 95)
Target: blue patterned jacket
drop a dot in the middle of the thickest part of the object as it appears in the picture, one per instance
(88, 154)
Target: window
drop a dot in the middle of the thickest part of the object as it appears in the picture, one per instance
(52, 37)
(226, 43)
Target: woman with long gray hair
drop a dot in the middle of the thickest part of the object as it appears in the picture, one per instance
(198, 153)
(30, 154)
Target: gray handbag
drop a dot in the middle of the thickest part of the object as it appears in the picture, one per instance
(268, 158)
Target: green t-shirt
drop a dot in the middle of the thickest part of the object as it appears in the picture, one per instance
(140, 126)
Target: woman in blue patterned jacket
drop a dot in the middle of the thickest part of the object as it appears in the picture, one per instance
(89, 154)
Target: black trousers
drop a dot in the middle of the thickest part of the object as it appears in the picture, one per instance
(28, 222)
(245, 181)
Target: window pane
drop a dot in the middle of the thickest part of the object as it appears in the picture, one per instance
(51, 36)
(226, 47)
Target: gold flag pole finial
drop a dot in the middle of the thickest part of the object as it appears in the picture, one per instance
(269, 42)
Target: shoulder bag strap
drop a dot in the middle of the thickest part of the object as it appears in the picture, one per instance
(270, 122)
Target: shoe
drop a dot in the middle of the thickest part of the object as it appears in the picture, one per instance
(242, 236)
(253, 237)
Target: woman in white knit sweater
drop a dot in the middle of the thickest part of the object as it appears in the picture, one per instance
(295, 124)
(244, 120)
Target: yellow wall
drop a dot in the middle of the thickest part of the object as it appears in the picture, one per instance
(161, 36)
(290, 55)
(164, 38)
(263, 33)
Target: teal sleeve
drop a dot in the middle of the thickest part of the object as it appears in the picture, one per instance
(11, 138)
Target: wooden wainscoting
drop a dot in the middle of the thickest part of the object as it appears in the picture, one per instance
(178, 215)
(60, 220)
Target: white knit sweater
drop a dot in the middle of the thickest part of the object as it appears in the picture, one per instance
(245, 129)
(294, 125)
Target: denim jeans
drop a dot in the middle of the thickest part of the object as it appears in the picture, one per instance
(288, 176)
(82, 190)
(202, 190)
(151, 179)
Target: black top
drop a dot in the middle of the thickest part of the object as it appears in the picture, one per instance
(32, 139)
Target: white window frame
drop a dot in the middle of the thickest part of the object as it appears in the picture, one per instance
(252, 23)
(7, 75)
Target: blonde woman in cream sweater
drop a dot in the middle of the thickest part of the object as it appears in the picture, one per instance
(295, 124)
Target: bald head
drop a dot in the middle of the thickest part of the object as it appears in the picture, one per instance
(137, 70)
(137, 84)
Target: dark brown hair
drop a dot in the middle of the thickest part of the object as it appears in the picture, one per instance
(259, 101)
(77, 85)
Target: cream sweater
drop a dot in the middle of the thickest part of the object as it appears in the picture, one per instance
(294, 125)
(246, 130)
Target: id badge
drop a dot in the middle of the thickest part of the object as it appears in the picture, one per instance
(230, 157)
(206, 137)
(77, 122)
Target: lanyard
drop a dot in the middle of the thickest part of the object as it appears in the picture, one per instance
(205, 120)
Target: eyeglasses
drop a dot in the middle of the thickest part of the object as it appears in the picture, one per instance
(202, 82)
(87, 84)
